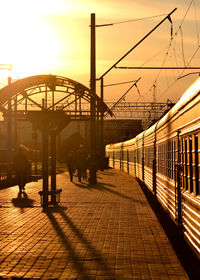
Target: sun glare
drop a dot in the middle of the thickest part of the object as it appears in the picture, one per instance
(28, 43)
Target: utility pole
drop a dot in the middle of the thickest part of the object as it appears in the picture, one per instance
(92, 179)
(101, 132)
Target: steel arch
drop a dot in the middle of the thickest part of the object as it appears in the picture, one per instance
(50, 92)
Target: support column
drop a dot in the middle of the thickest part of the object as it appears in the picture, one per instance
(9, 143)
(45, 168)
(92, 179)
(36, 149)
(102, 146)
(53, 168)
(15, 128)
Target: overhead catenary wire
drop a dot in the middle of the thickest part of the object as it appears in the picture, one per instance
(182, 50)
(182, 45)
(137, 19)
(196, 23)
(138, 43)
(116, 84)
(123, 96)
(181, 72)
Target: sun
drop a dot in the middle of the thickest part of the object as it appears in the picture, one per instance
(28, 43)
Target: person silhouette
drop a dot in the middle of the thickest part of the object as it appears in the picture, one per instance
(21, 167)
(71, 163)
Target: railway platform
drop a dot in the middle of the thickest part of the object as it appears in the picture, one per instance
(103, 231)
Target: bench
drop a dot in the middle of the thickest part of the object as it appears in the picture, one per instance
(57, 193)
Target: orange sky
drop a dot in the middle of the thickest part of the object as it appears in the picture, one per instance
(53, 37)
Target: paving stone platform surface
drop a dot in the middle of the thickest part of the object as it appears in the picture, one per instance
(106, 231)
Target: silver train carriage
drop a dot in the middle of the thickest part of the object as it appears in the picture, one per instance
(166, 157)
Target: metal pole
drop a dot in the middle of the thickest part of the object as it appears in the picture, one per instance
(36, 148)
(9, 146)
(102, 146)
(15, 127)
(92, 179)
(45, 158)
(53, 168)
(45, 167)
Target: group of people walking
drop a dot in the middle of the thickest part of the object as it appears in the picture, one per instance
(78, 161)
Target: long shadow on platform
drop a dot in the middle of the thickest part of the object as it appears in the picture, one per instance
(105, 187)
(76, 258)
(186, 256)
(22, 200)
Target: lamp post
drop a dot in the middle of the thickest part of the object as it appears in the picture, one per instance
(92, 178)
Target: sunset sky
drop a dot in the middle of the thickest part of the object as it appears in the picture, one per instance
(53, 37)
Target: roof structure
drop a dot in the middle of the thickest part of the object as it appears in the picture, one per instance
(50, 93)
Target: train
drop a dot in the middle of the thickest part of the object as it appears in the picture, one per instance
(166, 158)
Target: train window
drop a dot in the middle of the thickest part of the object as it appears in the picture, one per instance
(161, 159)
(145, 155)
(174, 160)
(157, 157)
(182, 162)
(196, 164)
(162, 156)
(190, 164)
(131, 156)
(186, 165)
(159, 153)
(170, 161)
(165, 157)
(172, 165)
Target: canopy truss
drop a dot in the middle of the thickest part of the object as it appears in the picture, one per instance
(49, 93)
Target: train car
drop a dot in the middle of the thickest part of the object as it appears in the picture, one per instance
(129, 157)
(149, 150)
(166, 157)
(115, 152)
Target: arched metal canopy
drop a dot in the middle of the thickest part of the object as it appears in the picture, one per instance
(49, 92)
